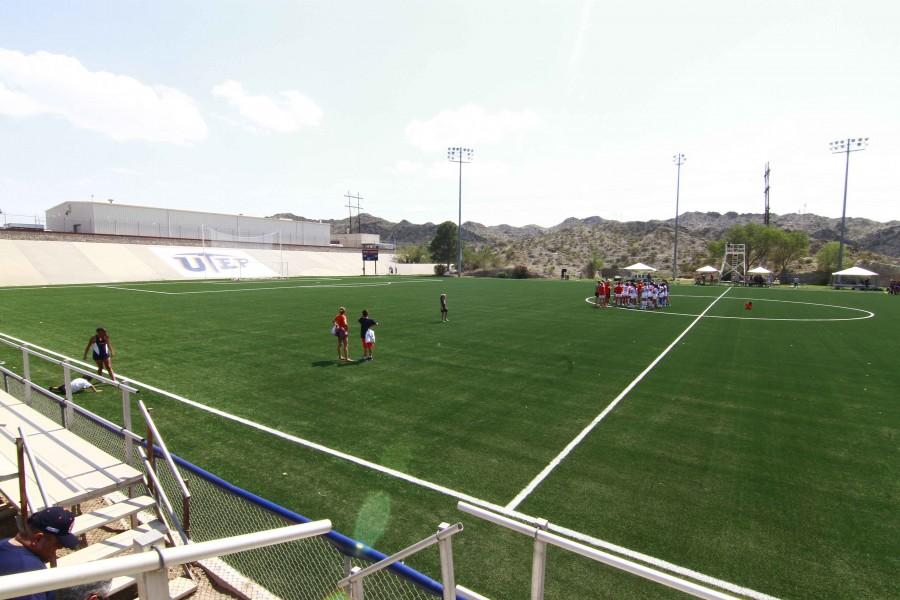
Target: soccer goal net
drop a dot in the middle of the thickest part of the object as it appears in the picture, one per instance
(261, 255)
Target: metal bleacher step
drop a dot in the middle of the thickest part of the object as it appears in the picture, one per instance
(179, 587)
(108, 514)
(108, 548)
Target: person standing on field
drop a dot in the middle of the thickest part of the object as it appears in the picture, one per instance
(342, 331)
(444, 311)
(367, 334)
(102, 351)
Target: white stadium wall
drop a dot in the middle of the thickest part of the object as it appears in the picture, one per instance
(125, 219)
(30, 262)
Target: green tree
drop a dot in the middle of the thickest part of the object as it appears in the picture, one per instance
(593, 266)
(414, 254)
(762, 244)
(715, 251)
(479, 258)
(443, 245)
(757, 239)
(787, 246)
(827, 257)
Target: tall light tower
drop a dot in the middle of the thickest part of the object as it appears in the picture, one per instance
(679, 160)
(460, 155)
(846, 147)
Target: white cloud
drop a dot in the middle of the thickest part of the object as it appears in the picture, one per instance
(468, 125)
(118, 106)
(574, 64)
(406, 167)
(291, 111)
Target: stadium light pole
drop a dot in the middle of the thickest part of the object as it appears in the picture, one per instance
(459, 155)
(846, 147)
(678, 159)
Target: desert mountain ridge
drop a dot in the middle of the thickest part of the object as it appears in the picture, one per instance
(572, 242)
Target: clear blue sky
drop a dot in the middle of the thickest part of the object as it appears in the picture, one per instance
(574, 108)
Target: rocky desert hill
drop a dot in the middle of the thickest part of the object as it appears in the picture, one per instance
(573, 242)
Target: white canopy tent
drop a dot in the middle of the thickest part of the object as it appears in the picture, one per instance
(640, 268)
(707, 269)
(859, 278)
(759, 271)
(856, 272)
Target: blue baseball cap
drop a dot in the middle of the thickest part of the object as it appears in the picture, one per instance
(55, 521)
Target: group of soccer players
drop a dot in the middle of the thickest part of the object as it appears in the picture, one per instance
(632, 294)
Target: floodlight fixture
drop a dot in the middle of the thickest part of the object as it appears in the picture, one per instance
(679, 159)
(460, 155)
(846, 146)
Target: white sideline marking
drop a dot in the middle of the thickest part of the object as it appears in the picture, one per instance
(127, 289)
(868, 314)
(526, 491)
(250, 281)
(659, 563)
(432, 486)
(280, 287)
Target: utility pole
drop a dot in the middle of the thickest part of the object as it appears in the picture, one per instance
(766, 178)
(350, 208)
(846, 147)
(460, 155)
(679, 160)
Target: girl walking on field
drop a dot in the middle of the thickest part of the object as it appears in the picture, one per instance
(101, 349)
(444, 311)
(342, 331)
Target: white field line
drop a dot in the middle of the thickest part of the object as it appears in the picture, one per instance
(258, 289)
(868, 314)
(246, 282)
(659, 563)
(128, 289)
(514, 514)
(526, 491)
(285, 436)
(218, 281)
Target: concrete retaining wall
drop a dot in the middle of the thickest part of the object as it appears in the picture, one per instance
(30, 262)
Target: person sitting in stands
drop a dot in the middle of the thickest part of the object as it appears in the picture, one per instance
(46, 531)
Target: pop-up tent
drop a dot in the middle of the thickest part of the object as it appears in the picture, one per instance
(759, 276)
(858, 276)
(640, 268)
(702, 272)
(856, 272)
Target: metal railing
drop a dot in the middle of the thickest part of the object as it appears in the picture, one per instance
(445, 532)
(542, 538)
(23, 450)
(153, 565)
(219, 508)
(154, 439)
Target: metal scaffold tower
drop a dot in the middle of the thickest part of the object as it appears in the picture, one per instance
(734, 264)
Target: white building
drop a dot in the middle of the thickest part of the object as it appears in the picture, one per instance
(124, 219)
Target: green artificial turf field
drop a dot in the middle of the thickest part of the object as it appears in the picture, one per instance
(762, 449)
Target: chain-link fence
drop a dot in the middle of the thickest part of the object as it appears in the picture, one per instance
(303, 569)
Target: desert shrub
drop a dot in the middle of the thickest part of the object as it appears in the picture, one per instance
(519, 272)
(440, 270)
